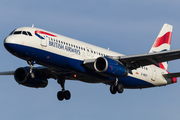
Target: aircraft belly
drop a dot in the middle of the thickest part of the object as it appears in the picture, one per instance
(132, 82)
(44, 57)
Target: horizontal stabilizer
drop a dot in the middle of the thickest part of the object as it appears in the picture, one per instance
(171, 75)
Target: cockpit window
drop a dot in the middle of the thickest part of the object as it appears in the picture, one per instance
(17, 32)
(21, 32)
(24, 32)
(29, 34)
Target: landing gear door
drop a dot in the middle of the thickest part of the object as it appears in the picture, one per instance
(44, 41)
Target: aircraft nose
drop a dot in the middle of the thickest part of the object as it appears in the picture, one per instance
(8, 40)
(7, 43)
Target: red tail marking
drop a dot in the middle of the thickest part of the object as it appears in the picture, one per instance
(162, 66)
(166, 38)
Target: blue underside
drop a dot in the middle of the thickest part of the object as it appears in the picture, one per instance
(50, 59)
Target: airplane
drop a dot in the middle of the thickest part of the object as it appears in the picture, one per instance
(63, 58)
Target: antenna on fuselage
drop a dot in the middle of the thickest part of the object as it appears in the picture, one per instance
(32, 25)
(108, 48)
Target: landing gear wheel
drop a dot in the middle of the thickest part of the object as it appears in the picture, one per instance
(113, 89)
(67, 95)
(120, 88)
(60, 95)
(116, 88)
(63, 94)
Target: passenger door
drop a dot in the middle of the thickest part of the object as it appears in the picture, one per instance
(153, 78)
(44, 41)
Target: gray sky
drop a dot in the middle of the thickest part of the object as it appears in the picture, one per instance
(128, 27)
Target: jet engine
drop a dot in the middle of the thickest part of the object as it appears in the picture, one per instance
(110, 67)
(23, 76)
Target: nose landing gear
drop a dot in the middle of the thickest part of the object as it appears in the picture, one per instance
(31, 63)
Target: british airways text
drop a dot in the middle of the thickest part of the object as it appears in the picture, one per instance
(64, 47)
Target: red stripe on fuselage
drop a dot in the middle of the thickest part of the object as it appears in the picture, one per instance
(166, 38)
(45, 33)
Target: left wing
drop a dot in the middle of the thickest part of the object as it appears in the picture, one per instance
(135, 61)
(46, 72)
(7, 73)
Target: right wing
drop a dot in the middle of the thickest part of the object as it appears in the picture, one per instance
(135, 61)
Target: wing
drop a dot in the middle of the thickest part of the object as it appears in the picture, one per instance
(46, 72)
(7, 73)
(135, 61)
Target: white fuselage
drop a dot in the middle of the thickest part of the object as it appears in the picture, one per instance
(77, 50)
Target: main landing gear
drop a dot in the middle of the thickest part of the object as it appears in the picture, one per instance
(116, 88)
(64, 94)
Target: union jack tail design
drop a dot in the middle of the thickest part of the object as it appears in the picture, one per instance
(163, 42)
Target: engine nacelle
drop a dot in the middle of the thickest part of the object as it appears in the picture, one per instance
(110, 67)
(23, 77)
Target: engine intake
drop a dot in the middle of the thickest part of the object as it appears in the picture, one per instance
(110, 67)
(23, 77)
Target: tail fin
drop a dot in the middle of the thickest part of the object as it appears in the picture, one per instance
(163, 42)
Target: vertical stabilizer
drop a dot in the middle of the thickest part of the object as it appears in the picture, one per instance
(163, 42)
